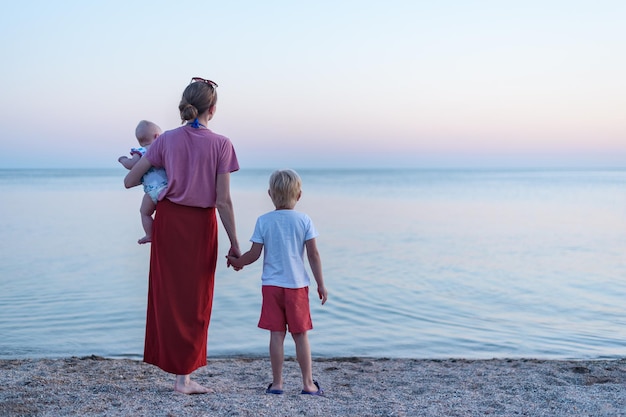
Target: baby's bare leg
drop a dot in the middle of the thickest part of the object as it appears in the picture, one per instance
(147, 209)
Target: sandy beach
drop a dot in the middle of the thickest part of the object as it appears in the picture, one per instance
(95, 386)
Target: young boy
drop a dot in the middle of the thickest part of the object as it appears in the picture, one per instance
(154, 181)
(285, 233)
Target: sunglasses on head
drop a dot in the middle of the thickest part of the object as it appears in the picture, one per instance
(202, 80)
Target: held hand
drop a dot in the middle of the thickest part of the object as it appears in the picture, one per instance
(232, 261)
(323, 294)
(233, 254)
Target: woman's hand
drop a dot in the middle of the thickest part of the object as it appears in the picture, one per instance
(233, 253)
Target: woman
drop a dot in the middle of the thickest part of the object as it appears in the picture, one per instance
(183, 255)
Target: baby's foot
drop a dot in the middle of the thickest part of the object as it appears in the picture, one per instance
(145, 239)
(191, 387)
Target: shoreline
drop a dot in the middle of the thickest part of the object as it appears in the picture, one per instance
(355, 386)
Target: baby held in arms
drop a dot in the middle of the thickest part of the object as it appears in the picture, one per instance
(154, 181)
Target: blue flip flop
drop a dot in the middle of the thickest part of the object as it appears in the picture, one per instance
(269, 390)
(319, 392)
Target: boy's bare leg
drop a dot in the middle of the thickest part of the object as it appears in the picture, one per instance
(303, 354)
(277, 356)
(185, 385)
(146, 210)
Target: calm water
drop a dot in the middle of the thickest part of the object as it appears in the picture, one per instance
(421, 264)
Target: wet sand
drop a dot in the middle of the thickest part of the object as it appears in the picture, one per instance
(94, 386)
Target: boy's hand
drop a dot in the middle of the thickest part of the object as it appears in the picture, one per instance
(323, 294)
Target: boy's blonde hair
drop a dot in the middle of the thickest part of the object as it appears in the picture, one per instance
(285, 188)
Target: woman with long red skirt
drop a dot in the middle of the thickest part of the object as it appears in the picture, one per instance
(183, 255)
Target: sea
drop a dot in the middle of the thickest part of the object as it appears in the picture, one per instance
(419, 263)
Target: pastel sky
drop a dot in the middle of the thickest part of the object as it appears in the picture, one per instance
(320, 84)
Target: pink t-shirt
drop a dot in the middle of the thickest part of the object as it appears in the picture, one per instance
(192, 159)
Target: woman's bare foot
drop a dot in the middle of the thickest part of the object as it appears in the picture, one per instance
(145, 239)
(186, 386)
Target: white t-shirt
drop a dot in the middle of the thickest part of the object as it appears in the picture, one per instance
(283, 234)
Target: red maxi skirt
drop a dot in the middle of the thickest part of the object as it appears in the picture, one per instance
(180, 289)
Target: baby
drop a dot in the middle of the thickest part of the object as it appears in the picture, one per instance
(154, 181)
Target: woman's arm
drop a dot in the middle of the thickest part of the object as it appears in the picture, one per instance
(133, 178)
(224, 206)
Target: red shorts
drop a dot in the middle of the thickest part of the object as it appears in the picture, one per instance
(285, 307)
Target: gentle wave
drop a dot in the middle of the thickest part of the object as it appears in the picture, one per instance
(420, 264)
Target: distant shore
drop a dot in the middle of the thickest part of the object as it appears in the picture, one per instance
(95, 386)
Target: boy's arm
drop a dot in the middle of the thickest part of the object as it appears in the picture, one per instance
(315, 261)
(247, 258)
(127, 162)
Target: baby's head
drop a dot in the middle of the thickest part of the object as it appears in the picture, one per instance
(146, 132)
(285, 188)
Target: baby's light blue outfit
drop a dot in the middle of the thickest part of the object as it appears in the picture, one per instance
(155, 180)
